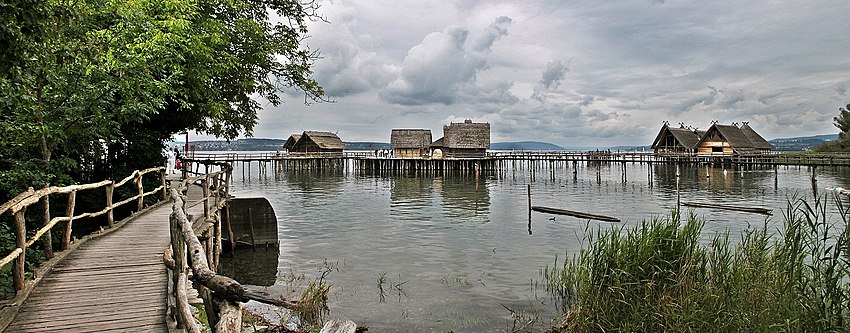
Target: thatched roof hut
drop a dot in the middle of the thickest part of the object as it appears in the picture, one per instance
(676, 140)
(410, 143)
(290, 143)
(320, 142)
(464, 140)
(730, 140)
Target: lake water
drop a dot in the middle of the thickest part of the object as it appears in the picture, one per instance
(454, 252)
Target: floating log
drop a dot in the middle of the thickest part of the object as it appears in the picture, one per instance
(574, 214)
(757, 210)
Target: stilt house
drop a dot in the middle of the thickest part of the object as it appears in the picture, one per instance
(463, 140)
(289, 145)
(410, 143)
(318, 142)
(731, 140)
(676, 140)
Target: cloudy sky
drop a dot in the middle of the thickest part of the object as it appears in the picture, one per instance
(574, 73)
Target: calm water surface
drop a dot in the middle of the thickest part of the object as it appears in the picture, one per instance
(455, 251)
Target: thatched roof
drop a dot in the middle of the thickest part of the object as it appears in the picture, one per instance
(325, 140)
(440, 143)
(733, 135)
(686, 137)
(758, 141)
(291, 141)
(467, 135)
(742, 140)
(410, 138)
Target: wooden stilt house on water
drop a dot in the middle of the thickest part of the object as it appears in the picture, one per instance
(680, 140)
(312, 142)
(289, 145)
(410, 143)
(462, 140)
(731, 140)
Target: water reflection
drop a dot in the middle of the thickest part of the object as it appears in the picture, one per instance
(453, 198)
(252, 267)
(465, 251)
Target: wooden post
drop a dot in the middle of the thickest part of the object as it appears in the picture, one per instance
(47, 241)
(110, 217)
(178, 247)
(678, 193)
(206, 189)
(251, 226)
(164, 189)
(72, 200)
(217, 225)
(21, 242)
(227, 204)
(141, 200)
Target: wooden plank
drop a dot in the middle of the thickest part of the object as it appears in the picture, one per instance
(114, 283)
(757, 210)
(574, 214)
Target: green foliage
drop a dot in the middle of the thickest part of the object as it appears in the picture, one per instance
(660, 277)
(842, 122)
(90, 89)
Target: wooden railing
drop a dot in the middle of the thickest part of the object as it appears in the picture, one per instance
(17, 207)
(197, 246)
(221, 294)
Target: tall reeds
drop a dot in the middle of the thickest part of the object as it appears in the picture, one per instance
(660, 276)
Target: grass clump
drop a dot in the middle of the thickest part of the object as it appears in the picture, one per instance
(659, 276)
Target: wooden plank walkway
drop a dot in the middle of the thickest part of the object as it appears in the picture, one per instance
(115, 283)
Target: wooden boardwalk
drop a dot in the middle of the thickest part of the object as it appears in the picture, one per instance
(115, 283)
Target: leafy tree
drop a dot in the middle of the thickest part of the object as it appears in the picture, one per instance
(91, 89)
(842, 121)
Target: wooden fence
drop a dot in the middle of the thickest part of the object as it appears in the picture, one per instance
(17, 207)
(221, 294)
(196, 245)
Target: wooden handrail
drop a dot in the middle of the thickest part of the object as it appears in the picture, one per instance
(221, 294)
(18, 206)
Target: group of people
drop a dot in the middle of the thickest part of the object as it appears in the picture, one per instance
(383, 153)
(173, 160)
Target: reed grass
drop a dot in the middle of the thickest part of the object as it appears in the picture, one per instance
(660, 276)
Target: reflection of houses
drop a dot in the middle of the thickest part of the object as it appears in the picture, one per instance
(731, 140)
(289, 145)
(463, 140)
(317, 142)
(410, 143)
(676, 140)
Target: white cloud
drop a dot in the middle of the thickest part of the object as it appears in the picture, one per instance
(575, 73)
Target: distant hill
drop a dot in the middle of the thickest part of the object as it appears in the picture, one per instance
(249, 144)
(364, 145)
(802, 143)
(524, 145)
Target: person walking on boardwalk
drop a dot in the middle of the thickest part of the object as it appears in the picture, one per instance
(171, 159)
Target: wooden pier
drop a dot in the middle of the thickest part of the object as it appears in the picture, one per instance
(498, 161)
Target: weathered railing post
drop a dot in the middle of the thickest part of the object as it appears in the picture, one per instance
(110, 217)
(227, 204)
(180, 278)
(207, 197)
(72, 201)
(164, 188)
(47, 242)
(141, 203)
(21, 242)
